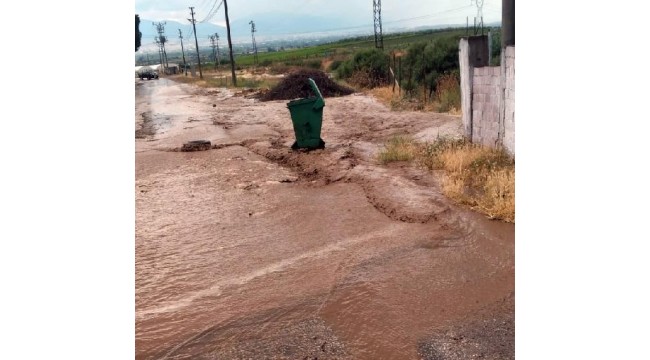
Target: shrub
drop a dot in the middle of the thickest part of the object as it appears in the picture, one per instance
(425, 62)
(335, 65)
(344, 71)
(313, 64)
(368, 68)
(448, 91)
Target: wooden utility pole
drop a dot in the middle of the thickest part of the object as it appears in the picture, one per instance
(232, 59)
(196, 41)
(180, 34)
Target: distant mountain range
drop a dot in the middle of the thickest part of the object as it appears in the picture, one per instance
(267, 26)
(270, 29)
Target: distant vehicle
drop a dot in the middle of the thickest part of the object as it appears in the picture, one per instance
(147, 74)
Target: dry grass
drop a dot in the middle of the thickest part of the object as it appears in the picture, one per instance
(480, 177)
(499, 199)
(398, 148)
(448, 93)
(212, 79)
(384, 94)
(397, 102)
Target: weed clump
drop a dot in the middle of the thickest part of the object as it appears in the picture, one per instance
(397, 148)
(480, 177)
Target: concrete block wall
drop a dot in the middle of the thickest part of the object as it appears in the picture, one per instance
(486, 97)
(509, 99)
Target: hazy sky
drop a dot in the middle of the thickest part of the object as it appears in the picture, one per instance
(402, 13)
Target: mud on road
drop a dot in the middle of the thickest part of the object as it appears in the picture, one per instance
(253, 251)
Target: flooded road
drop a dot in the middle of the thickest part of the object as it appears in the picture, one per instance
(252, 251)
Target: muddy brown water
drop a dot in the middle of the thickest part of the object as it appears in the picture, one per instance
(254, 251)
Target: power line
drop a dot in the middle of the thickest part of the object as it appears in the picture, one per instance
(213, 11)
(203, 3)
(383, 22)
(428, 16)
(359, 26)
(366, 26)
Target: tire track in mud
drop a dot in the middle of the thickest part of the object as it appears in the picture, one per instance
(389, 192)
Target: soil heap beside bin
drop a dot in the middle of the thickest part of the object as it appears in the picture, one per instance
(295, 85)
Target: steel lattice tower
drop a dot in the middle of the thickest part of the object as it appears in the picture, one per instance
(161, 40)
(379, 37)
(478, 20)
(253, 31)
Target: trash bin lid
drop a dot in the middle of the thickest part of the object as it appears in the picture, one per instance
(320, 102)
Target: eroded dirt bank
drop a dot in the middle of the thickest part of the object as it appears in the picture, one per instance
(251, 250)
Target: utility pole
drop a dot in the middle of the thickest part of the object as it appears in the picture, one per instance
(161, 40)
(218, 55)
(196, 41)
(253, 37)
(180, 35)
(379, 37)
(159, 52)
(214, 52)
(232, 59)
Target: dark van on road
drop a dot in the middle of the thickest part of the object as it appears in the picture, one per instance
(147, 73)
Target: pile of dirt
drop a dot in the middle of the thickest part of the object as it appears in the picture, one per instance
(197, 145)
(295, 85)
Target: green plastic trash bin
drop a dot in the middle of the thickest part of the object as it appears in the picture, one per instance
(307, 118)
